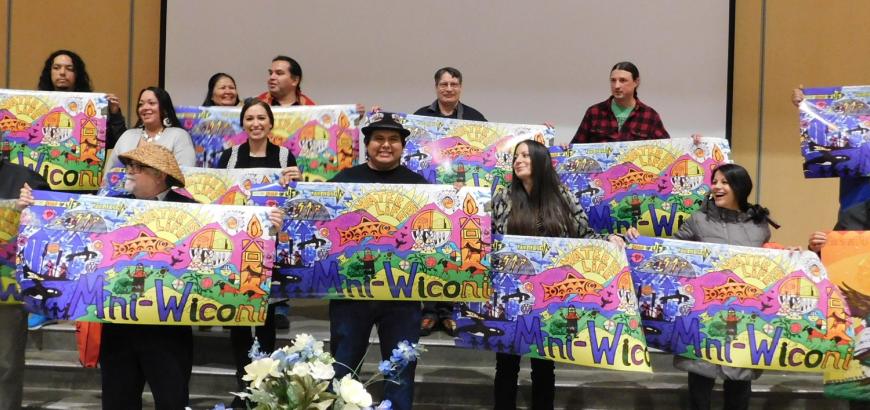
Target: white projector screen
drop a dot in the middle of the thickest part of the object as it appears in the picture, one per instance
(522, 62)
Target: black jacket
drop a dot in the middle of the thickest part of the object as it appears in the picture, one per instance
(462, 112)
(13, 178)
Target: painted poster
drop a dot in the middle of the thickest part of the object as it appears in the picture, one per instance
(740, 306)
(60, 135)
(652, 185)
(323, 138)
(381, 241)
(835, 129)
(100, 259)
(473, 153)
(9, 288)
(847, 259)
(561, 299)
(206, 185)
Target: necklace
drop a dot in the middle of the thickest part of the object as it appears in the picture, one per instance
(151, 139)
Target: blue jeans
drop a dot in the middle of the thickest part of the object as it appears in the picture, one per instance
(350, 324)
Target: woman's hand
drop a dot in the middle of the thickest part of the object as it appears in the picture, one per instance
(797, 95)
(696, 139)
(290, 174)
(631, 234)
(616, 240)
(114, 103)
(817, 241)
(276, 216)
(25, 197)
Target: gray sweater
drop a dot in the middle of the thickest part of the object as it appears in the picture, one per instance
(176, 139)
(718, 225)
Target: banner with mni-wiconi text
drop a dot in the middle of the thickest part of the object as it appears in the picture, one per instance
(60, 135)
(561, 299)
(845, 257)
(740, 306)
(381, 241)
(205, 185)
(463, 152)
(10, 291)
(651, 185)
(323, 138)
(118, 260)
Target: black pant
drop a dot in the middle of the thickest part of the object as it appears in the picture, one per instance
(507, 369)
(736, 392)
(242, 340)
(130, 355)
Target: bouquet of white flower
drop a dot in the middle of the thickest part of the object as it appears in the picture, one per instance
(298, 377)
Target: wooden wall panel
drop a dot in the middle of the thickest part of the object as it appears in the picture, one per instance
(816, 44)
(4, 41)
(146, 50)
(746, 86)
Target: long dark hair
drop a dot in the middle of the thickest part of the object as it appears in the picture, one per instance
(544, 211)
(250, 102)
(631, 68)
(741, 185)
(83, 80)
(164, 103)
(212, 82)
(295, 71)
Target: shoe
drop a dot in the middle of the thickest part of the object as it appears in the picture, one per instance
(35, 322)
(427, 324)
(449, 326)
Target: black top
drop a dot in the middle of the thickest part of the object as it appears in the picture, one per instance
(854, 218)
(14, 177)
(462, 112)
(245, 160)
(364, 173)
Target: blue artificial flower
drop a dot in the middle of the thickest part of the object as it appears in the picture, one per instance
(385, 405)
(386, 368)
(255, 353)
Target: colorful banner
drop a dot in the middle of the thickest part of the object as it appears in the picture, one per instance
(206, 185)
(561, 299)
(10, 291)
(60, 135)
(845, 256)
(740, 306)
(473, 153)
(835, 129)
(652, 185)
(324, 138)
(100, 259)
(381, 241)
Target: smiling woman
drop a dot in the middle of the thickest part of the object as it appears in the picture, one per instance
(157, 124)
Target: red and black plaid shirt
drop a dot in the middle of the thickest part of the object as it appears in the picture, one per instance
(599, 125)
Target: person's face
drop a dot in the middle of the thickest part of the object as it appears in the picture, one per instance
(523, 163)
(622, 85)
(723, 196)
(224, 92)
(149, 109)
(256, 123)
(281, 82)
(449, 89)
(144, 182)
(63, 73)
(384, 149)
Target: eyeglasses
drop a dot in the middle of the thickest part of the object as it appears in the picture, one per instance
(134, 167)
(449, 85)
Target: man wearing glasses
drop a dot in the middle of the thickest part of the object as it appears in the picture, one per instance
(448, 89)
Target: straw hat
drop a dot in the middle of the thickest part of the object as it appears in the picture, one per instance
(158, 157)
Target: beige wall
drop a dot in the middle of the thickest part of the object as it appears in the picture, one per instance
(780, 44)
(98, 30)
